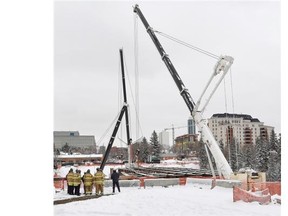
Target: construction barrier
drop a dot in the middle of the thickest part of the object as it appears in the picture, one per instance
(164, 182)
(182, 181)
(228, 183)
(263, 197)
(273, 187)
(143, 179)
(142, 184)
(123, 183)
(59, 183)
(204, 181)
(219, 182)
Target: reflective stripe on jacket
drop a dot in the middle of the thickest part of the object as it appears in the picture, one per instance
(77, 179)
(70, 178)
(99, 178)
(88, 179)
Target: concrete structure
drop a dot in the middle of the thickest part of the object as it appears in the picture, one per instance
(244, 128)
(123, 183)
(164, 182)
(219, 182)
(74, 140)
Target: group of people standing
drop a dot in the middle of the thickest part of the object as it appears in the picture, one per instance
(74, 182)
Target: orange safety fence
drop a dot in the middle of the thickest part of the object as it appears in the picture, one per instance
(262, 197)
(142, 180)
(273, 187)
(182, 181)
(142, 184)
(59, 183)
(257, 191)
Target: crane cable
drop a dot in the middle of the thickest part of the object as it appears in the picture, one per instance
(136, 49)
(107, 130)
(232, 94)
(137, 114)
(233, 118)
(114, 120)
(227, 122)
(232, 98)
(225, 94)
(188, 45)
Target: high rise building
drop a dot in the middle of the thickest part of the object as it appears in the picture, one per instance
(164, 138)
(244, 128)
(191, 126)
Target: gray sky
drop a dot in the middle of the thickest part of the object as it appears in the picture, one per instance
(88, 36)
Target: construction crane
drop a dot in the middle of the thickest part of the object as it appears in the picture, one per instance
(123, 111)
(173, 131)
(223, 65)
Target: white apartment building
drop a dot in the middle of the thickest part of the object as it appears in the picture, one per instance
(242, 127)
(164, 138)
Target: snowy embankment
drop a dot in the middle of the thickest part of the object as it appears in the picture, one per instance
(191, 199)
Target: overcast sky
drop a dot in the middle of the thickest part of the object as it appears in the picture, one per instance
(88, 36)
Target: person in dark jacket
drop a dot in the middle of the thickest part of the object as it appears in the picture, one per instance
(115, 180)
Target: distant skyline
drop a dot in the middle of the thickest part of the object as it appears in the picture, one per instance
(89, 34)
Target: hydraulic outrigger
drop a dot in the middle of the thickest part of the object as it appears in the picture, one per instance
(223, 65)
(124, 110)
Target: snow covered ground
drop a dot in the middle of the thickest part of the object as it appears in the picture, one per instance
(191, 199)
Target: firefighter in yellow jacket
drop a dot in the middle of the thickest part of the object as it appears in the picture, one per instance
(99, 181)
(77, 182)
(88, 182)
(70, 181)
